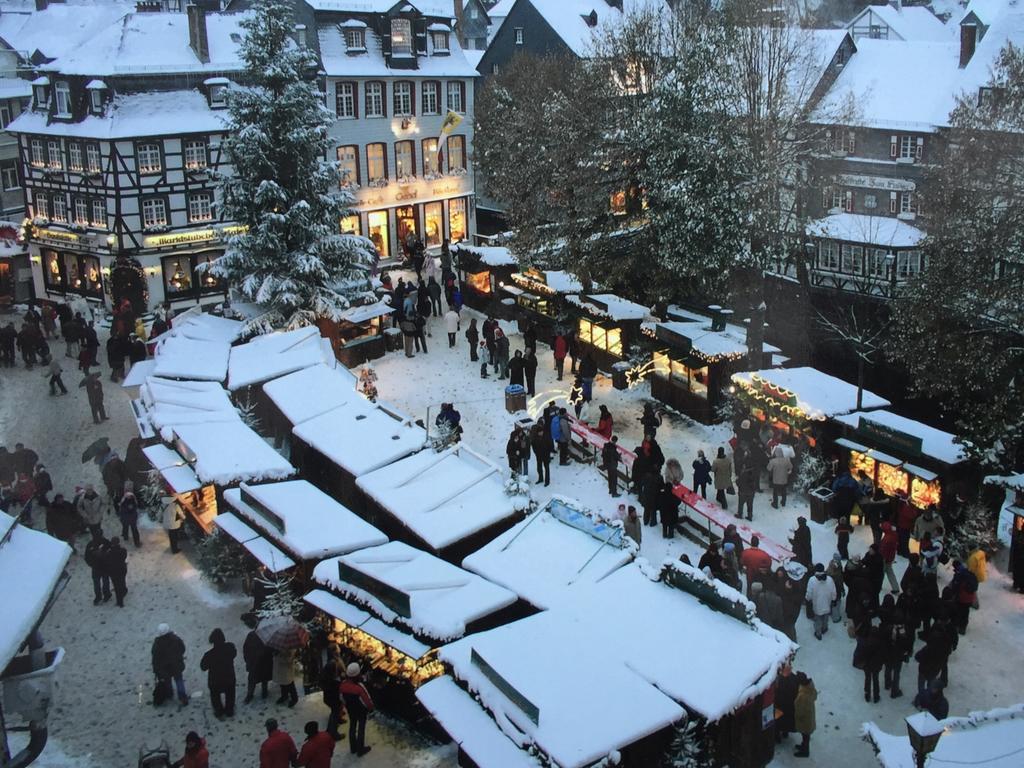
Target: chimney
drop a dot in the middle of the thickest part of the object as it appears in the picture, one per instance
(968, 41)
(197, 38)
(617, 4)
(458, 13)
(149, 6)
(41, 4)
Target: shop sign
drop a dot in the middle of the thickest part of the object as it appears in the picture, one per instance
(513, 694)
(774, 391)
(272, 518)
(706, 593)
(392, 597)
(405, 194)
(195, 236)
(583, 522)
(56, 235)
(887, 437)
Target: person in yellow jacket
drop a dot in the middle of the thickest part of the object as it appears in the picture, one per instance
(806, 695)
(977, 563)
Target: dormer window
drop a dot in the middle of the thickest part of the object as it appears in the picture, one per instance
(41, 92)
(62, 99)
(440, 40)
(96, 89)
(354, 32)
(401, 37)
(217, 90)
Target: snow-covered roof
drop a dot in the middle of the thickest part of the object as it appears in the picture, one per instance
(154, 43)
(426, 7)
(274, 354)
(473, 57)
(60, 27)
(360, 436)
(14, 88)
(491, 255)
(443, 497)
(1016, 482)
(818, 395)
(31, 564)
(992, 739)
(153, 113)
(337, 62)
(230, 452)
(568, 19)
(303, 520)
(707, 343)
(263, 550)
(442, 598)
(733, 331)
(171, 403)
(908, 23)
(179, 357)
(206, 327)
(311, 391)
(881, 100)
(581, 665)
(1005, 20)
(546, 558)
(935, 443)
(614, 307)
(870, 230)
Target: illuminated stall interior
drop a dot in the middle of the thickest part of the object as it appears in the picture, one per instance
(482, 269)
(539, 296)
(608, 325)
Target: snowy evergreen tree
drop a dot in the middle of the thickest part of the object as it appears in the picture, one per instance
(221, 558)
(281, 599)
(293, 260)
(974, 527)
(689, 747)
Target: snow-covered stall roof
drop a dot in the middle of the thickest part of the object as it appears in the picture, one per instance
(908, 23)
(202, 326)
(992, 739)
(338, 62)
(583, 688)
(274, 354)
(690, 322)
(935, 443)
(1016, 482)
(31, 564)
(443, 497)
(170, 403)
(302, 519)
(360, 436)
(175, 471)
(179, 357)
(548, 557)
(230, 452)
(490, 255)
(153, 113)
(869, 230)
(817, 394)
(611, 306)
(432, 598)
(881, 102)
(311, 391)
(268, 555)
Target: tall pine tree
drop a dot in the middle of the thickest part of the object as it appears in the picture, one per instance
(293, 260)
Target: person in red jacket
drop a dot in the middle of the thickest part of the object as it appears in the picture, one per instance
(605, 424)
(359, 705)
(317, 749)
(906, 515)
(887, 548)
(278, 750)
(756, 562)
(196, 755)
(561, 348)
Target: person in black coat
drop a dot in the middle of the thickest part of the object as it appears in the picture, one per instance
(95, 558)
(530, 371)
(801, 542)
(874, 566)
(259, 665)
(668, 506)
(650, 491)
(785, 701)
(530, 337)
(219, 665)
(115, 563)
(543, 448)
(873, 654)
(517, 369)
(610, 462)
(168, 659)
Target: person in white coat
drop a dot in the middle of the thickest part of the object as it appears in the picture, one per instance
(821, 593)
(451, 325)
(284, 676)
(174, 518)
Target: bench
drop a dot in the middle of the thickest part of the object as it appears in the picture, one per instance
(585, 446)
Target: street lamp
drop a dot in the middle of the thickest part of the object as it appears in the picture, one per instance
(924, 732)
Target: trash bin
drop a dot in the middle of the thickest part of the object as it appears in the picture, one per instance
(515, 398)
(821, 504)
(392, 339)
(619, 380)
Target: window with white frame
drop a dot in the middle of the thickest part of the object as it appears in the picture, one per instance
(200, 206)
(877, 262)
(75, 161)
(5, 115)
(376, 163)
(348, 165)
(456, 153)
(832, 197)
(96, 100)
(829, 255)
(907, 203)
(149, 158)
(401, 37)
(405, 159)
(455, 100)
(92, 158)
(355, 39)
(195, 154)
(402, 97)
(10, 176)
(870, 201)
(440, 41)
(375, 99)
(218, 96)
(431, 159)
(430, 97)
(852, 258)
(62, 99)
(60, 208)
(41, 205)
(908, 264)
(81, 211)
(42, 96)
(99, 212)
(53, 155)
(345, 100)
(520, 37)
(37, 153)
(154, 212)
(906, 147)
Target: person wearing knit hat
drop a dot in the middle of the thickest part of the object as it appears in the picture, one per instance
(359, 705)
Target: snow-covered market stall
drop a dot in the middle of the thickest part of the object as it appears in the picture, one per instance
(302, 395)
(552, 553)
(693, 358)
(357, 437)
(180, 357)
(1010, 527)
(571, 686)
(390, 607)
(992, 739)
(903, 456)
(296, 519)
(540, 298)
(608, 326)
(482, 271)
(448, 503)
(358, 335)
(798, 402)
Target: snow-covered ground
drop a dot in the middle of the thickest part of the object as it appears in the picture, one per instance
(103, 715)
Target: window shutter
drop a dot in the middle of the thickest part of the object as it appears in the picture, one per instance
(893, 145)
(892, 202)
(355, 100)
(828, 140)
(919, 150)
(412, 100)
(849, 200)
